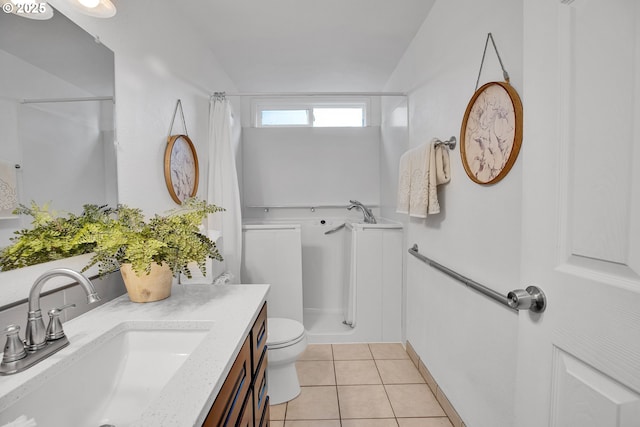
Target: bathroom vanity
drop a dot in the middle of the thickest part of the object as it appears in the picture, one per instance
(243, 398)
(176, 362)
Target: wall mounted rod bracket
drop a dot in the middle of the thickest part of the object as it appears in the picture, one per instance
(531, 298)
(449, 143)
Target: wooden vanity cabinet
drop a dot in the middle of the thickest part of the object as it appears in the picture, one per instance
(246, 418)
(243, 400)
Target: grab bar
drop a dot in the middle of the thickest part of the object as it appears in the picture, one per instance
(334, 229)
(312, 208)
(531, 298)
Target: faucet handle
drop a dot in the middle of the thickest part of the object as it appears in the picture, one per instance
(54, 329)
(14, 347)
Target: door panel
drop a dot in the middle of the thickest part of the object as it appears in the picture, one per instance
(579, 361)
(600, 400)
(600, 75)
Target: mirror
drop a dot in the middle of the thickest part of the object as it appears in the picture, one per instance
(56, 118)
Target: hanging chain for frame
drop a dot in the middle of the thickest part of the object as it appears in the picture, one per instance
(504, 72)
(178, 104)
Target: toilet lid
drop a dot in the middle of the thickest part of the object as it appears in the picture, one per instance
(283, 331)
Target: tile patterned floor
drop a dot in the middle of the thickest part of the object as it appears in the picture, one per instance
(359, 385)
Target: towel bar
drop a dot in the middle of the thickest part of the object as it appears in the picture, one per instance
(530, 299)
(311, 207)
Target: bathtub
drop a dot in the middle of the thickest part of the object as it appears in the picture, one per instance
(350, 280)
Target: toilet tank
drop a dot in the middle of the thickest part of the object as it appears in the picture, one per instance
(272, 254)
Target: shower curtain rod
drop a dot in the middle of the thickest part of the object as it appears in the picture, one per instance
(293, 94)
(46, 100)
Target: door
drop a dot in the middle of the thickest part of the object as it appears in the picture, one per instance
(579, 361)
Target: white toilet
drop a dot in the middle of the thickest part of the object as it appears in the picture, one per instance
(286, 341)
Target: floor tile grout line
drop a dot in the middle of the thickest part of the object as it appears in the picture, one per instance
(370, 351)
(371, 385)
(333, 357)
(335, 378)
(386, 393)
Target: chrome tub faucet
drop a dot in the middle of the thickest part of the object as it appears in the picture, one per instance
(368, 215)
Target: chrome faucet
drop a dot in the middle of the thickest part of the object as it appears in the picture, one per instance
(35, 333)
(40, 343)
(368, 216)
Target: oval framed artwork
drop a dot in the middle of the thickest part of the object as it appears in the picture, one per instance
(181, 168)
(491, 133)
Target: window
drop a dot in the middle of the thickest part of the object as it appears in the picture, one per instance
(338, 117)
(285, 117)
(316, 114)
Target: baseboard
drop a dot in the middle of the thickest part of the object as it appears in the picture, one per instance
(448, 408)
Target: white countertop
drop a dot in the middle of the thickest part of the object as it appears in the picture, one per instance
(186, 399)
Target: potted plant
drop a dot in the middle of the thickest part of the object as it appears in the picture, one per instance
(147, 252)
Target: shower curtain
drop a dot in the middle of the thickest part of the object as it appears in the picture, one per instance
(222, 188)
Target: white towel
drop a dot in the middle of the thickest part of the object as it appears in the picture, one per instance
(8, 188)
(439, 173)
(419, 194)
(404, 183)
(21, 421)
(422, 169)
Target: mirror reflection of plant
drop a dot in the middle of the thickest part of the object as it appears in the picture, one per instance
(116, 236)
(51, 237)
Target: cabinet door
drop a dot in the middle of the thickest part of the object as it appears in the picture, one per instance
(266, 415)
(246, 418)
(260, 389)
(226, 409)
(258, 338)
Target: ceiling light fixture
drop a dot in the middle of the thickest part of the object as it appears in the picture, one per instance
(95, 8)
(89, 3)
(31, 9)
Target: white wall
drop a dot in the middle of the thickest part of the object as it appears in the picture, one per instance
(310, 166)
(465, 340)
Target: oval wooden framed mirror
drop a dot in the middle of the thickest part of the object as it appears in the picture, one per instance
(181, 168)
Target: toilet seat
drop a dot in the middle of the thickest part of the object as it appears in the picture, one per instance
(284, 332)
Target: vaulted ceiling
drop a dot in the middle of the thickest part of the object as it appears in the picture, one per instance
(307, 45)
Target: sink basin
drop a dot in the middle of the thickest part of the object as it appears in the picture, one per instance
(111, 380)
